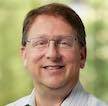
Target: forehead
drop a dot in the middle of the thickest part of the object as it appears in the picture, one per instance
(50, 25)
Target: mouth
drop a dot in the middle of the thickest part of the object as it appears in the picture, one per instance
(53, 67)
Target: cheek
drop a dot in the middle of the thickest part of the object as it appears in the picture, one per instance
(71, 57)
(33, 61)
(34, 57)
(72, 62)
(33, 64)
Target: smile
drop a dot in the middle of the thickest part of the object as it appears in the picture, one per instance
(53, 67)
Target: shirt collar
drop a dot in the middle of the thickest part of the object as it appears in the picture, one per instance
(31, 100)
(77, 97)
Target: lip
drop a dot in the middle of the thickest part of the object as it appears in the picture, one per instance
(53, 67)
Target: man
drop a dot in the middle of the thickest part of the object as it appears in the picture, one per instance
(54, 51)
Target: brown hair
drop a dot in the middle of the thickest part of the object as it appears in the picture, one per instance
(55, 9)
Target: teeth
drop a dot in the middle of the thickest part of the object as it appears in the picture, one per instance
(53, 67)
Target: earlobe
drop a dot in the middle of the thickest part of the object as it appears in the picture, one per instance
(83, 55)
(24, 55)
(25, 63)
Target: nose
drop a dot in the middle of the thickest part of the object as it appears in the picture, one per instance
(52, 52)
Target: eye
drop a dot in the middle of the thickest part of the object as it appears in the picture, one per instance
(65, 43)
(39, 43)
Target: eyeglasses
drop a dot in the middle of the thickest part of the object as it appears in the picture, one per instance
(62, 42)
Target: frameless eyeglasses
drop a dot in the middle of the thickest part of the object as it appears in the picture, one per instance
(62, 42)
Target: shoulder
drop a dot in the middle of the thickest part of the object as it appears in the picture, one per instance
(25, 101)
(21, 102)
(93, 101)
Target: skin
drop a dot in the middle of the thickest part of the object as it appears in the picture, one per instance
(54, 82)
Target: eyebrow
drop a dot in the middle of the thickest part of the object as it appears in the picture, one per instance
(54, 37)
(38, 37)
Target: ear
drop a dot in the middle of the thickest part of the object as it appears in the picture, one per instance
(83, 54)
(23, 52)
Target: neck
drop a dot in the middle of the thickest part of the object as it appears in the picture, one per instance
(48, 100)
(52, 97)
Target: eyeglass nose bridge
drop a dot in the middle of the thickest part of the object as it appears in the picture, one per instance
(54, 42)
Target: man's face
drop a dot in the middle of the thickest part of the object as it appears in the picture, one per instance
(52, 66)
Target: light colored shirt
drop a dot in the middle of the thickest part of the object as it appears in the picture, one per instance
(78, 97)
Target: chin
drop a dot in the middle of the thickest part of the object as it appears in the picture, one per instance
(55, 84)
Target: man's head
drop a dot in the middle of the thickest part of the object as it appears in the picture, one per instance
(53, 46)
(57, 10)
